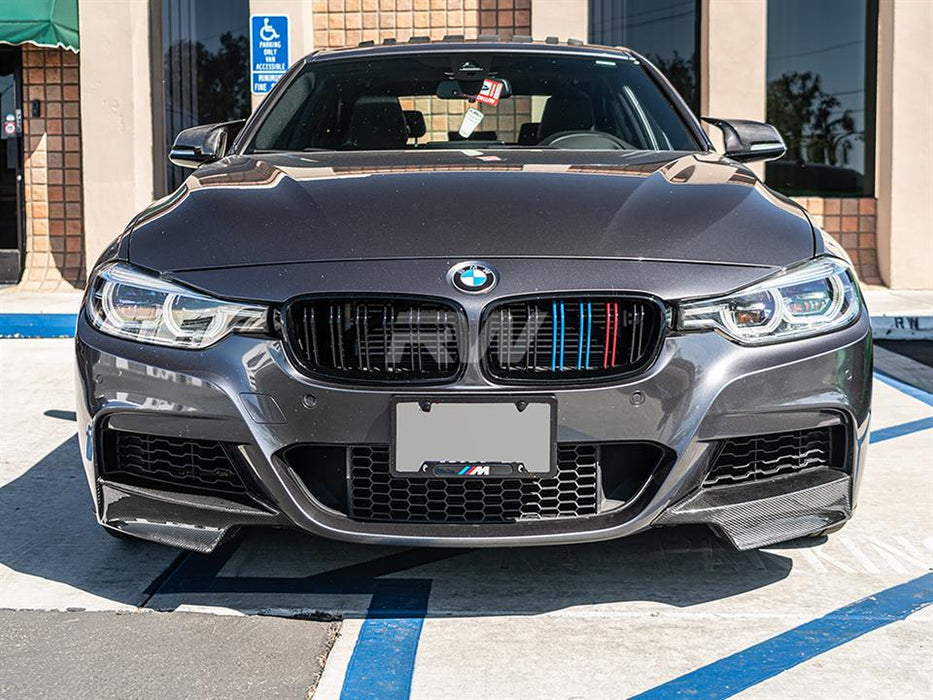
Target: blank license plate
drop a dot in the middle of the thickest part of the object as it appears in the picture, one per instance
(468, 439)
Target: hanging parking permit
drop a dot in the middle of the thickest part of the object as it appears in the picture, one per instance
(471, 120)
(489, 94)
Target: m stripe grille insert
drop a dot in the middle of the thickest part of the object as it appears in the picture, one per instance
(561, 339)
(376, 339)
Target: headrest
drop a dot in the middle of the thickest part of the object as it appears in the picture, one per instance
(528, 134)
(377, 123)
(415, 121)
(566, 113)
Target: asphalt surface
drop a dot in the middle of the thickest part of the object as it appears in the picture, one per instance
(841, 616)
(99, 655)
(921, 352)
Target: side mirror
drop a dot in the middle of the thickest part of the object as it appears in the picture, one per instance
(747, 140)
(203, 144)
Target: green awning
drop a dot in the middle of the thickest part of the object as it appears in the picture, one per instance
(52, 23)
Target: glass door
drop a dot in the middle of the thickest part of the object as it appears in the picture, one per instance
(11, 160)
(201, 59)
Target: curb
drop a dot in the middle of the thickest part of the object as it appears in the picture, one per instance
(902, 327)
(38, 325)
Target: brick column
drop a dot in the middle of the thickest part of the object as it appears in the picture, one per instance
(52, 172)
(853, 223)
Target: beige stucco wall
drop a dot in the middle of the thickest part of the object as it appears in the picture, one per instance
(116, 117)
(904, 172)
(300, 27)
(565, 19)
(733, 62)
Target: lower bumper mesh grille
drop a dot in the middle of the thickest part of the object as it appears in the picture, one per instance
(376, 495)
(763, 456)
(200, 465)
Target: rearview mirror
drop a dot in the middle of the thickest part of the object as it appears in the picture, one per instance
(468, 89)
(204, 144)
(747, 140)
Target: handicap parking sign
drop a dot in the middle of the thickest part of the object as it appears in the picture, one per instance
(268, 51)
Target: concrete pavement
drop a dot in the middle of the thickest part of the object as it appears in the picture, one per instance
(603, 620)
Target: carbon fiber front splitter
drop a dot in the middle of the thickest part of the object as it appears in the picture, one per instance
(758, 514)
(749, 515)
(198, 523)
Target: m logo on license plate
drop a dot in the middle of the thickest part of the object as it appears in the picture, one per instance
(468, 470)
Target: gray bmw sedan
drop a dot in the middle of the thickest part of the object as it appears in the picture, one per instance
(473, 293)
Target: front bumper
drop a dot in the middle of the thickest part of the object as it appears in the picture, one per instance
(702, 389)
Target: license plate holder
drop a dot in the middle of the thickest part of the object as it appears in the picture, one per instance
(473, 437)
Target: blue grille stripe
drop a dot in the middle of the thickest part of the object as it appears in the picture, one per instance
(562, 335)
(580, 340)
(553, 335)
(589, 330)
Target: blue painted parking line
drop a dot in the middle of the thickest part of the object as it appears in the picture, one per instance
(903, 387)
(744, 669)
(383, 660)
(900, 430)
(37, 325)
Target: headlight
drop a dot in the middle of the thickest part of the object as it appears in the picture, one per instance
(813, 298)
(131, 304)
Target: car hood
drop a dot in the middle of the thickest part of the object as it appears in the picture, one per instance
(466, 204)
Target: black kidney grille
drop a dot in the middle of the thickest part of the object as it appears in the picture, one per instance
(376, 340)
(376, 495)
(571, 338)
(763, 456)
(202, 465)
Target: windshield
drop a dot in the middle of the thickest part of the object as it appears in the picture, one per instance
(489, 100)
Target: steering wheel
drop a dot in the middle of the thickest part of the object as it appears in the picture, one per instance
(587, 141)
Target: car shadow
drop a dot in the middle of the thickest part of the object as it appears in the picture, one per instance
(50, 533)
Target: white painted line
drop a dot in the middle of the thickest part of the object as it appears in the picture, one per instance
(338, 660)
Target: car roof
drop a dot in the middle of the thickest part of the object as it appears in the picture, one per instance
(482, 43)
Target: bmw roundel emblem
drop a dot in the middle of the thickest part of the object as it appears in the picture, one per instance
(473, 278)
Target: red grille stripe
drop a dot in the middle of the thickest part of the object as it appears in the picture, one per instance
(606, 344)
(615, 331)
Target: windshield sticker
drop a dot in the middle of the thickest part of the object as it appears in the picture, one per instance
(471, 120)
(490, 92)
